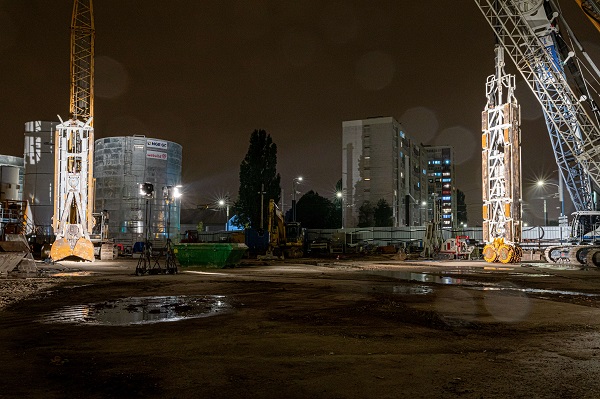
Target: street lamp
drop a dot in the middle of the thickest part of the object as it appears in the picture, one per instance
(225, 203)
(542, 183)
(170, 195)
(144, 264)
(340, 196)
(294, 184)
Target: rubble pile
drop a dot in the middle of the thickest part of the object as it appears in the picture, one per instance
(15, 289)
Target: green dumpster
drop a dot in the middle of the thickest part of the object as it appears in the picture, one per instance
(217, 255)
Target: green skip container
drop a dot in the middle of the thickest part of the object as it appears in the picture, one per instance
(214, 255)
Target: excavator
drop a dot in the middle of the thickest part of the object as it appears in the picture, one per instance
(564, 79)
(286, 239)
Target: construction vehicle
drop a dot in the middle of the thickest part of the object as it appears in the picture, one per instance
(286, 239)
(74, 141)
(562, 77)
(15, 252)
(104, 247)
(458, 247)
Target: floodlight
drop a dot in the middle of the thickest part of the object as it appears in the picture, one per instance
(147, 189)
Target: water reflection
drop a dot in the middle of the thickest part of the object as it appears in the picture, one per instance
(141, 310)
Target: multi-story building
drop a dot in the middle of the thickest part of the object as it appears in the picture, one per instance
(441, 181)
(379, 161)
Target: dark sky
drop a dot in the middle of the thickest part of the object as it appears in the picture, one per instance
(207, 73)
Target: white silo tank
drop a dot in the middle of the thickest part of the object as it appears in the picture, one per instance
(39, 173)
(121, 164)
(9, 183)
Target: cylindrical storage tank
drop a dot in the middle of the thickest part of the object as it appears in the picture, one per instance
(121, 165)
(39, 173)
(11, 177)
(9, 183)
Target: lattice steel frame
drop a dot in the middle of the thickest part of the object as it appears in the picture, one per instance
(81, 105)
(73, 181)
(501, 158)
(574, 136)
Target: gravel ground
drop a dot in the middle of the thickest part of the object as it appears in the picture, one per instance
(15, 289)
(356, 329)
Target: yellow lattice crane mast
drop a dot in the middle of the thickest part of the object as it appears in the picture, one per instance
(591, 8)
(74, 147)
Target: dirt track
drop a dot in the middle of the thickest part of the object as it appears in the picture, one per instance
(343, 330)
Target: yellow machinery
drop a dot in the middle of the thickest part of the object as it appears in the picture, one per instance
(285, 239)
(74, 141)
(591, 8)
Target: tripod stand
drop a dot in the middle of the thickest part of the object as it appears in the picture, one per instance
(144, 265)
(170, 265)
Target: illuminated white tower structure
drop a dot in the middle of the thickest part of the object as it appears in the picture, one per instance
(501, 167)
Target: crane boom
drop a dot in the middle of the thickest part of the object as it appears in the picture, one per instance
(82, 61)
(528, 37)
(74, 147)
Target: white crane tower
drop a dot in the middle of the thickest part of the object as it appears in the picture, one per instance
(501, 167)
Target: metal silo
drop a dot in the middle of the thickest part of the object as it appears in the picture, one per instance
(39, 173)
(9, 183)
(121, 164)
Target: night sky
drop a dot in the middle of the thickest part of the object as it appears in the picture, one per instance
(207, 73)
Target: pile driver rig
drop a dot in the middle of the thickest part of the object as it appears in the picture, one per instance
(74, 141)
(501, 167)
(565, 81)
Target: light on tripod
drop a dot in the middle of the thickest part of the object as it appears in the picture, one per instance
(171, 193)
(147, 189)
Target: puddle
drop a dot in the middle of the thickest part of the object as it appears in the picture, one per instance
(541, 291)
(420, 277)
(412, 289)
(470, 284)
(555, 266)
(141, 310)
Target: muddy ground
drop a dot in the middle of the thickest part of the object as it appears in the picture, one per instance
(370, 329)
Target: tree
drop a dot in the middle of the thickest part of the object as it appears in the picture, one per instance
(316, 212)
(383, 214)
(258, 173)
(461, 207)
(366, 215)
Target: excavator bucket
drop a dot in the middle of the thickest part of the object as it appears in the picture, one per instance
(60, 249)
(84, 249)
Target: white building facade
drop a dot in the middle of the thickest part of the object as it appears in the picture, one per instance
(379, 161)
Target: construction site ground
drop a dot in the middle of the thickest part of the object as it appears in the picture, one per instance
(315, 328)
